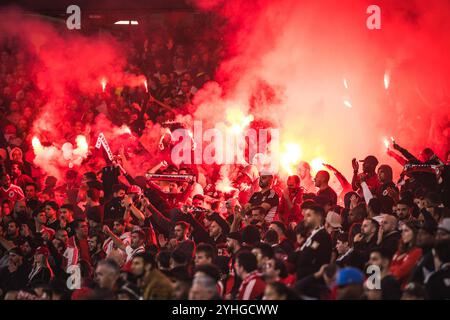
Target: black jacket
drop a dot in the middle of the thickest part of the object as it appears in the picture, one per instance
(315, 252)
(438, 284)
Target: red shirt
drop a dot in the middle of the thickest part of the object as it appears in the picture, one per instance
(13, 193)
(403, 264)
(252, 287)
(293, 215)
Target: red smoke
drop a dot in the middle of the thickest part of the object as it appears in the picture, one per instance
(303, 51)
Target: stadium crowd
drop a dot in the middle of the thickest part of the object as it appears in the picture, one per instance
(110, 234)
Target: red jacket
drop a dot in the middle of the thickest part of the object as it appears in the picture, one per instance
(403, 264)
(252, 287)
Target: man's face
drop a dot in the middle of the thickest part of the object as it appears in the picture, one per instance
(342, 247)
(201, 258)
(50, 212)
(375, 259)
(135, 241)
(15, 170)
(388, 223)
(13, 229)
(368, 167)
(118, 228)
(231, 244)
(318, 180)
(310, 219)
(381, 176)
(292, 184)
(163, 79)
(403, 211)
(367, 228)
(92, 242)
(21, 206)
(185, 87)
(30, 192)
(198, 203)
(239, 269)
(65, 214)
(265, 181)
(105, 277)
(83, 229)
(15, 259)
(257, 216)
(25, 248)
(6, 209)
(41, 217)
(269, 269)
(6, 181)
(138, 267)
(178, 233)
(214, 229)
(62, 235)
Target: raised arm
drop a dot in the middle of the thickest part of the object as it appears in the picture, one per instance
(117, 242)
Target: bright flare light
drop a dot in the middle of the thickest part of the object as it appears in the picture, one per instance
(146, 86)
(386, 79)
(82, 146)
(348, 104)
(317, 164)
(225, 186)
(103, 82)
(345, 83)
(238, 121)
(290, 157)
(386, 143)
(37, 146)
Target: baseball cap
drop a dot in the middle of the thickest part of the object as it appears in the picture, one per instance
(348, 276)
(445, 225)
(16, 251)
(370, 160)
(43, 250)
(235, 236)
(334, 219)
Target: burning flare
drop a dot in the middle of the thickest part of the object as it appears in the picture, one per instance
(37, 146)
(317, 164)
(238, 121)
(386, 79)
(290, 157)
(103, 82)
(146, 85)
(386, 143)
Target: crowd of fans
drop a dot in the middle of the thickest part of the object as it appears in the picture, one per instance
(108, 234)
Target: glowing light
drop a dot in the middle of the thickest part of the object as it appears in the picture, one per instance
(386, 143)
(146, 86)
(290, 157)
(238, 121)
(317, 164)
(348, 104)
(225, 186)
(386, 79)
(37, 146)
(345, 83)
(82, 145)
(103, 82)
(392, 139)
